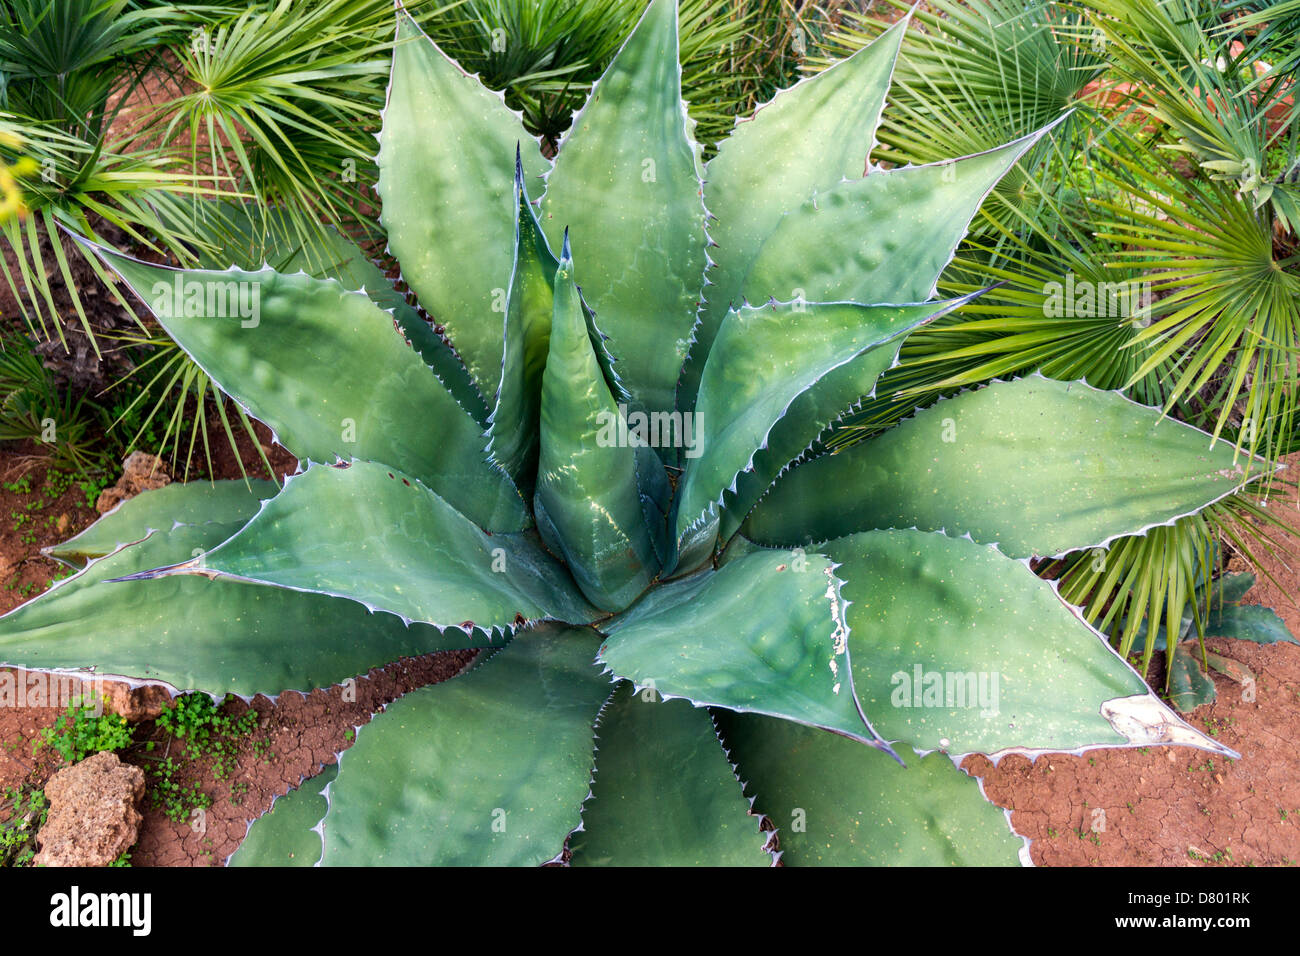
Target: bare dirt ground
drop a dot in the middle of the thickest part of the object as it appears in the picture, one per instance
(1158, 806)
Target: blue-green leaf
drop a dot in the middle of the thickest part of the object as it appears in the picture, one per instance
(221, 636)
(626, 186)
(765, 634)
(489, 769)
(1037, 466)
(769, 164)
(331, 373)
(587, 503)
(393, 545)
(835, 803)
(664, 792)
(516, 417)
(162, 509)
(885, 238)
(957, 647)
(783, 370)
(286, 835)
(446, 167)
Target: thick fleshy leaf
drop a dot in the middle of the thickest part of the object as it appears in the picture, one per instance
(221, 636)
(765, 634)
(1228, 617)
(529, 304)
(271, 239)
(664, 792)
(884, 238)
(286, 835)
(766, 167)
(626, 185)
(1189, 686)
(810, 414)
(656, 500)
(1231, 588)
(356, 272)
(489, 769)
(371, 534)
(438, 355)
(195, 502)
(446, 165)
(957, 647)
(587, 505)
(838, 804)
(775, 363)
(330, 373)
(1037, 466)
(1248, 622)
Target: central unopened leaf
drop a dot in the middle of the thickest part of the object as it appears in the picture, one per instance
(764, 634)
(529, 304)
(587, 503)
(371, 534)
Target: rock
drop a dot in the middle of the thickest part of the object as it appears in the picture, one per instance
(93, 816)
(140, 472)
(135, 704)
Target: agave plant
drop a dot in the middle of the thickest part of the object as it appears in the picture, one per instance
(670, 595)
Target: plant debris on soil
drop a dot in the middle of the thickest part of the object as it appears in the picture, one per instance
(1156, 806)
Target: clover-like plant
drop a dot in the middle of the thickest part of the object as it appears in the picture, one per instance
(617, 472)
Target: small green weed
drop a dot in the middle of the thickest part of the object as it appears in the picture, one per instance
(79, 732)
(206, 732)
(22, 814)
(177, 803)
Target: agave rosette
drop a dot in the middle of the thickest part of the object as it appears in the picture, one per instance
(614, 486)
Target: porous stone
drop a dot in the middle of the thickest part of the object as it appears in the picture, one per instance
(140, 472)
(94, 816)
(134, 704)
